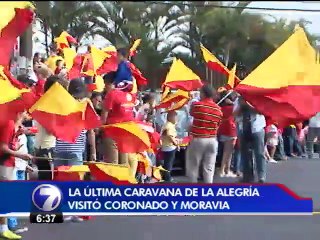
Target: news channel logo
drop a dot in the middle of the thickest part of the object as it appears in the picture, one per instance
(46, 197)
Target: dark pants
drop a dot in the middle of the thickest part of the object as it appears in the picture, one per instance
(44, 166)
(253, 150)
(168, 159)
(292, 145)
(280, 153)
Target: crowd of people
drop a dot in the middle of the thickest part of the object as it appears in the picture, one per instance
(227, 133)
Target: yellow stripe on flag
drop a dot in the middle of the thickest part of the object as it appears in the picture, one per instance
(180, 72)
(57, 100)
(8, 10)
(69, 55)
(232, 75)
(293, 63)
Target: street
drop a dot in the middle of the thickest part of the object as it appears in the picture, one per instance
(301, 175)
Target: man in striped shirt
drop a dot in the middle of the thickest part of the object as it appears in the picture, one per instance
(203, 148)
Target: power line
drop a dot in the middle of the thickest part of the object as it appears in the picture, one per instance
(237, 7)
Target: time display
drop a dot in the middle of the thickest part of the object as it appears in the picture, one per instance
(46, 218)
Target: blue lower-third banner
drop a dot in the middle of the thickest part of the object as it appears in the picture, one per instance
(106, 198)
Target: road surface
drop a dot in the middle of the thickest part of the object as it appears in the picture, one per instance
(301, 175)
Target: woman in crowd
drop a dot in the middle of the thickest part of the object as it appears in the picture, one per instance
(272, 141)
(147, 108)
(96, 99)
(70, 154)
(45, 142)
(227, 135)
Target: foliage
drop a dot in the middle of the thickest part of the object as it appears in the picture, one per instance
(173, 29)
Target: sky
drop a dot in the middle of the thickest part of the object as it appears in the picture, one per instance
(313, 17)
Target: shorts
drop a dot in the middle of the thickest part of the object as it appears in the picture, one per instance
(272, 142)
(224, 138)
(7, 173)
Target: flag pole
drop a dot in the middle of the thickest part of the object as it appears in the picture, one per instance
(227, 95)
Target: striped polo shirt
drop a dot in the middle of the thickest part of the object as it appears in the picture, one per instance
(207, 117)
(78, 146)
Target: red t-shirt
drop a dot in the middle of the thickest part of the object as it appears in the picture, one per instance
(39, 87)
(120, 106)
(228, 125)
(8, 136)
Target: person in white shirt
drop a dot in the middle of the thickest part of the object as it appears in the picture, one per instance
(313, 134)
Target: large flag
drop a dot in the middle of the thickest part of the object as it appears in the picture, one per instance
(14, 96)
(173, 98)
(128, 132)
(182, 77)
(214, 64)
(286, 87)
(57, 111)
(64, 40)
(16, 17)
(111, 172)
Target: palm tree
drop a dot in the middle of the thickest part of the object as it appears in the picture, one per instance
(75, 17)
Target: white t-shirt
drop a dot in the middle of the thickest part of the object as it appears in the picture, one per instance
(315, 121)
(19, 163)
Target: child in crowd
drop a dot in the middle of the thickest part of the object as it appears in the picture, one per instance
(19, 174)
(59, 66)
(169, 144)
(302, 135)
(272, 141)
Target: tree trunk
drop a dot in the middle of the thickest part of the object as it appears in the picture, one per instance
(227, 54)
(26, 53)
(46, 37)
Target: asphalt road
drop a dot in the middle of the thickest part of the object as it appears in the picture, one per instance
(302, 176)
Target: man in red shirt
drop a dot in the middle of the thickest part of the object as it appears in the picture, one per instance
(203, 148)
(8, 153)
(117, 107)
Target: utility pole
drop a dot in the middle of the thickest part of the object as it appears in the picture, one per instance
(26, 53)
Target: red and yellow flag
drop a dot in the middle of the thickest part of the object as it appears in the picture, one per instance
(14, 97)
(70, 173)
(178, 105)
(215, 65)
(128, 132)
(172, 98)
(110, 64)
(232, 77)
(76, 69)
(285, 87)
(57, 110)
(69, 55)
(182, 77)
(111, 172)
(136, 73)
(16, 17)
(133, 49)
(64, 40)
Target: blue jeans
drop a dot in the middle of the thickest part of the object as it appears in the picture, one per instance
(253, 150)
(12, 221)
(74, 158)
(30, 143)
(168, 159)
(237, 163)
